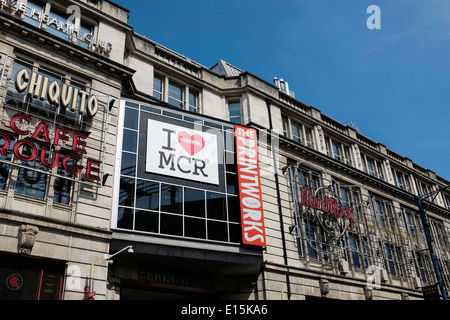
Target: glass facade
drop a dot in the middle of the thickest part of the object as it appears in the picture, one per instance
(177, 208)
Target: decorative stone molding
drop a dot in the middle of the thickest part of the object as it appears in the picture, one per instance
(26, 238)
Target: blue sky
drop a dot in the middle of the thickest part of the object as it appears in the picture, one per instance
(394, 83)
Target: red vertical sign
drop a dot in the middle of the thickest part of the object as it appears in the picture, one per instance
(252, 213)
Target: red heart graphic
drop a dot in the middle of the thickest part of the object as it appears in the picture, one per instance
(192, 144)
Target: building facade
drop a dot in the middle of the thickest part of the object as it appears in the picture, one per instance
(134, 171)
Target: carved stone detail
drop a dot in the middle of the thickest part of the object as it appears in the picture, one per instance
(26, 238)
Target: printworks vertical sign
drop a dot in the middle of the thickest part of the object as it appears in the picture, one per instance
(253, 230)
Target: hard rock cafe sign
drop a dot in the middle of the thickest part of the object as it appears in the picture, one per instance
(325, 207)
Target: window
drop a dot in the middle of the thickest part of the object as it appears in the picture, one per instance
(446, 198)
(158, 87)
(424, 189)
(193, 102)
(412, 221)
(338, 151)
(354, 250)
(235, 112)
(176, 98)
(394, 260)
(373, 166)
(424, 264)
(384, 213)
(298, 132)
(401, 180)
(176, 94)
(32, 180)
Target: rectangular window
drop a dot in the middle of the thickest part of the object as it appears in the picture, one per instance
(176, 95)
(234, 109)
(446, 201)
(193, 102)
(285, 123)
(373, 167)
(158, 87)
(296, 131)
(32, 180)
(401, 180)
(353, 239)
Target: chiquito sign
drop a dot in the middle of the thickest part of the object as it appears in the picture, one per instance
(39, 87)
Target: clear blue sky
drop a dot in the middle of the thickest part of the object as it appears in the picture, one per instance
(394, 83)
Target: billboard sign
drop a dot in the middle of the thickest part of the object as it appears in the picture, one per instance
(180, 152)
(252, 213)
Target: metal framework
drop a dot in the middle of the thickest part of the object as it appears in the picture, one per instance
(384, 235)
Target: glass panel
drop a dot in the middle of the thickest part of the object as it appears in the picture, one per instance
(234, 209)
(125, 218)
(63, 187)
(235, 112)
(216, 206)
(126, 194)
(235, 233)
(171, 199)
(194, 203)
(193, 107)
(157, 88)
(130, 140)
(147, 221)
(29, 182)
(296, 132)
(128, 164)
(232, 184)
(147, 195)
(131, 118)
(171, 224)
(195, 228)
(175, 95)
(217, 231)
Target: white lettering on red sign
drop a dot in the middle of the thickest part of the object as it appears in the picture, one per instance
(252, 214)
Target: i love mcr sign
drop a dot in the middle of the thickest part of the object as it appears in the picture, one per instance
(179, 152)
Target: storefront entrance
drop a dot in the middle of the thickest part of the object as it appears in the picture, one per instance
(30, 279)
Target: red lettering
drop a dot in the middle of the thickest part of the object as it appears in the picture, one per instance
(22, 157)
(42, 131)
(72, 168)
(55, 160)
(13, 123)
(5, 145)
(90, 169)
(329, 205)
(59, 136)
(77, 142)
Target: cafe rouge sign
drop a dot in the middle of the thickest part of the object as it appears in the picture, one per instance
(71, 162)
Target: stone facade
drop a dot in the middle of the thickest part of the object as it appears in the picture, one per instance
(376, 253)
